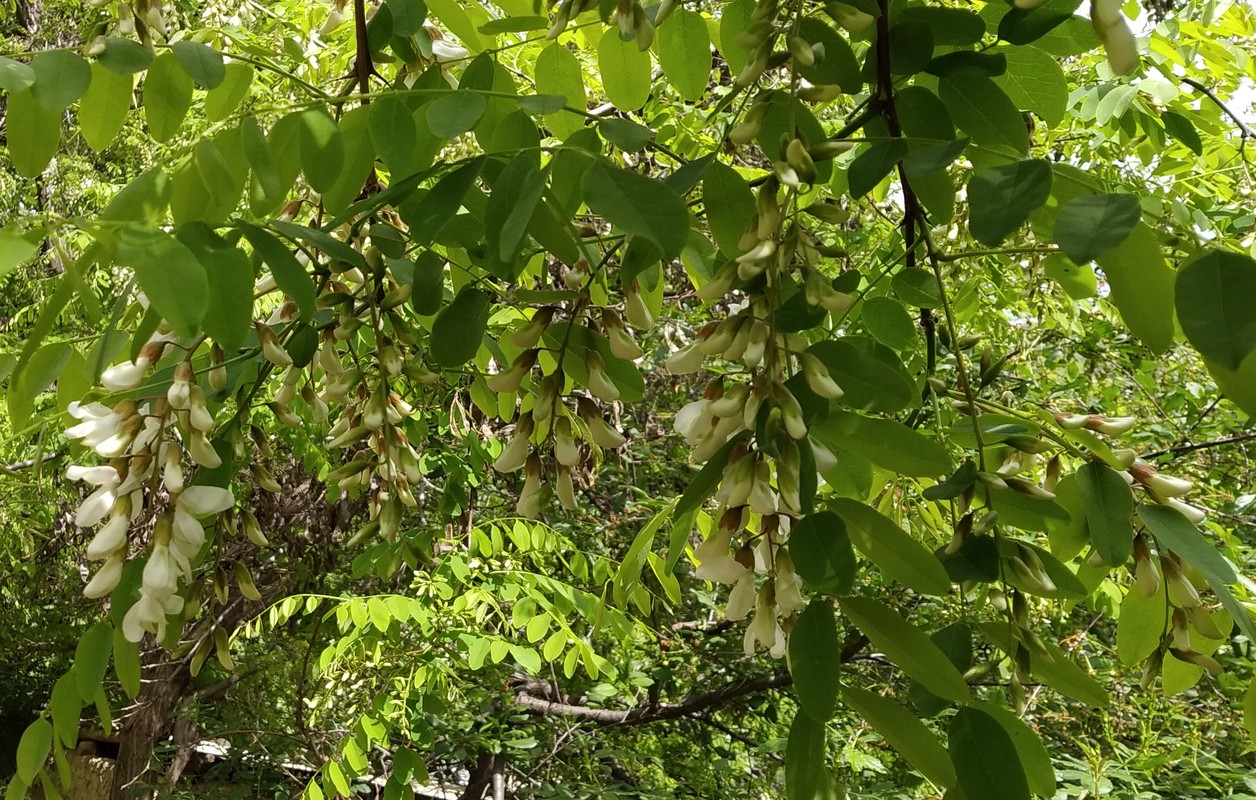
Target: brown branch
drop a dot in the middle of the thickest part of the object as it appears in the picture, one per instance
(1183, 449)
(1244, 131)
(695, 704)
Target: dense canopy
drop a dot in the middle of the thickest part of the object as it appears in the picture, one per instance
(619, 398)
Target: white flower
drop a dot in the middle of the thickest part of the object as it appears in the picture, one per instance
(202, 452)
(204, 501)
(715, 559)
(187, 534)
(1193, 513)
(693, 421)
(763, 628)
(96, 476)
(109, 539)
(741, 598)
(106, 578)
(789, 597)
(95, 507)
(445, 52)
(148, 614)
(125, 376)
(161, 572)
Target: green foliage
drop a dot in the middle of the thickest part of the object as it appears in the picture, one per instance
(424, 296)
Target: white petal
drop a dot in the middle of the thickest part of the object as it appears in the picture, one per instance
(95, 507)
(124, 376)
(202, 501)
(189, 534)
(109, 539)
(105, 579)
(96, 476)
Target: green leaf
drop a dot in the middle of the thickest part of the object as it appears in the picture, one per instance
(907, 646)
(322, 148)
(1019, 26)
(65, 708)
(1182, 129)
(174, 281)
(905, 733)
(558, 71)
(1140, 624)
(625, 72)
(33, 134)
(1176, 532)
(888, 321)
(1108, 503)
(1034, 757)
(439, 206)
(735, 19)
(515, 25)
(628, 576)
(125, 56)
(1142, 287)
(639, 206)
(126, 664)
(231, 280)
(1078, 281)
(982, 110)
(1087, 227)
(91, 659)
(815, 658)
(455, 17)
(225, 98)
(456, 113)
(15, 76)
(986, 762)
(729, 205)
(104, 107)
(1056, 669)
(867, 383)
(917, 287)
(1214, 306)
(886, 443)
(407, 16)
(1000, 199)
(33, 749)
(873, 165)
(61, 77)
(459, 328)
(314, 237)
(1249, 710)
(838, 67)
(952, 27)
(290, 276)
(516, 193)
(142, 200)
(201, 61)
(684, 48)
(820, 548)
(167, 96)
(625, 134)
(806, 757)
(359, 160)
(892, 549)
(393, 133)
(1034, 81)
(15, 251)
(216, 174)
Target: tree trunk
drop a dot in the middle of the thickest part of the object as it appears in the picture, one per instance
(159, 698)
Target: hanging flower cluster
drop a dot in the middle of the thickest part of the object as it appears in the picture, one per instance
(551, 438)
(143, 481)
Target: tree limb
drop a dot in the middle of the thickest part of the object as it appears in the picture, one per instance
(1183, 449)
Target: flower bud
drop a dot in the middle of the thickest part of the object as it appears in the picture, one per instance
(1113, 426)
(515, 454)
(565, 489)
(622, 344)
(508, 382)
(602, 433)
(271, 348)
(566, 451)
(106, 578)
(635, 308)
(818, 378)
(599, 382)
